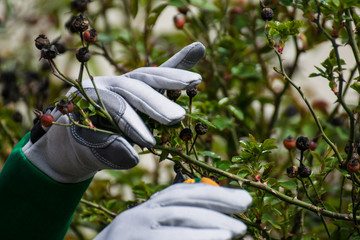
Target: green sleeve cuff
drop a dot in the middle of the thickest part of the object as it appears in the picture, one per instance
(32, 205)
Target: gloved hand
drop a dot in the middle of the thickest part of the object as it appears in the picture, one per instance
(73, 154)
(183, 211)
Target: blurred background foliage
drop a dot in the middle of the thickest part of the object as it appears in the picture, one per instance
(240, 94)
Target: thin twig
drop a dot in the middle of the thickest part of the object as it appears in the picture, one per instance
(261, 186)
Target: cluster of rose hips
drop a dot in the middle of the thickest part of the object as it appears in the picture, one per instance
(76, 24)
(80, 24)
(200, 128)
(65, 106)
(303, 144)
(179, 19)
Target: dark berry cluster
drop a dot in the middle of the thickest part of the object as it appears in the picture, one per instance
(48, 50)
(303, 144)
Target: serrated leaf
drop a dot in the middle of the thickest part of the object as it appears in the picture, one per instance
(268, 144)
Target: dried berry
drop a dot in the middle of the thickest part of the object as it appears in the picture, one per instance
(186, 134)
(179, 22)
(49, 53)
(69, 24)
(173, 94)
(313, 145)
(79, 5)
(83, 54)
(292, 171)
(46, 120)
(191, 92)
(60, 47)
(353, 164)
(177, 168)
(65, 106)
(201, 128)
(42, 42)
(302, 143)
(289, 142)
(267, 14)
(80, 23)
(183, 9)
(304, 171)
(90, 35)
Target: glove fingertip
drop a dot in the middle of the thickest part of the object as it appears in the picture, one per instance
(187, 58)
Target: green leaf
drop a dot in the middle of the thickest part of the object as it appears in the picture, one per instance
(317, 156)
(236, 159)
(237, 112)
(83, 104)
(209, 154)
(268, 144)
(356, 86)
(176, 3)
(156, 13)
(204, 5)
(223, 165)
(134, 7)
(288, 185)
(201, 119)
(222, 122)
(164, 155)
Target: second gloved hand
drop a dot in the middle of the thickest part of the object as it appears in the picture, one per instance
(183, 211)
(73, 154)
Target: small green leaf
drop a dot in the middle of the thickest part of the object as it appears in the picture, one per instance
(204, 5)
(134, 7)
(288, 185)
(176, 3)
(317, 156)
(164, 155)
(237, 112)
(356, 86)
(83, 104)
(236, 159)
(209, 154)
(268, 144)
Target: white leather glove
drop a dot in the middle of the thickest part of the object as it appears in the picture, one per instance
(73, 154)
(182, 211)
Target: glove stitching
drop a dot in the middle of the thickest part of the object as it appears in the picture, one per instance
(184, 59)
(86, 143)
(104, 160)
(120, 112)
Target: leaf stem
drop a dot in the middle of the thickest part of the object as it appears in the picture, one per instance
(99, 207)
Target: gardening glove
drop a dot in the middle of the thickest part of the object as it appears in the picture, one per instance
(183, 211)
(73, 154)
